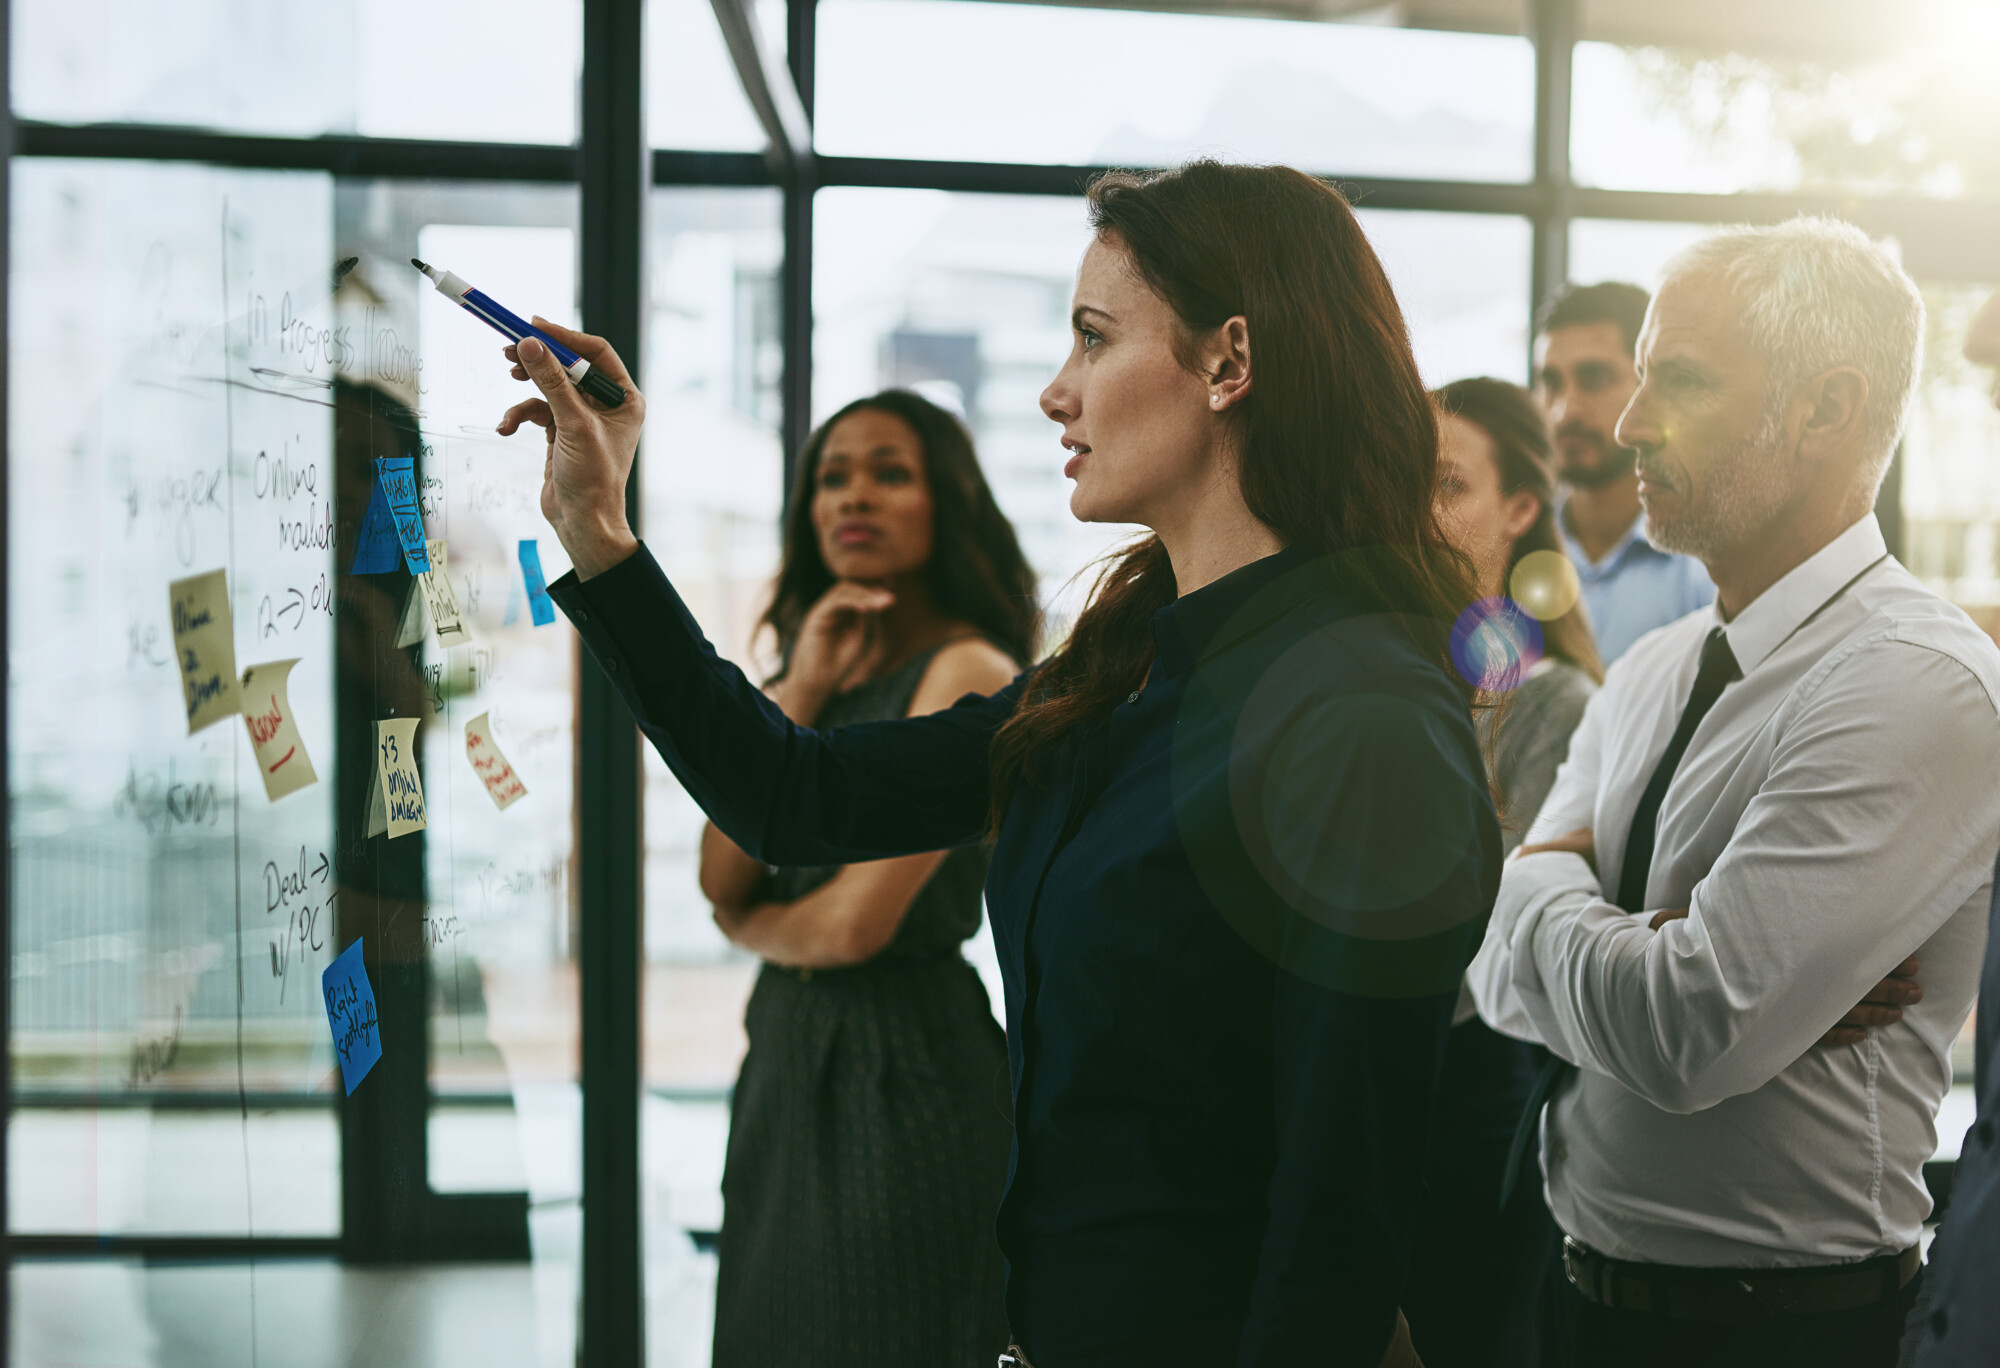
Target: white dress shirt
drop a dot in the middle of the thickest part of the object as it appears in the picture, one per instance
(1836, 811)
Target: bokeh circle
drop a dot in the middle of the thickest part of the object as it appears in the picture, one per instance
(1545, 584)
(1495, 643)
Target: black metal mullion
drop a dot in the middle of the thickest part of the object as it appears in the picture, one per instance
(770, 87)
(795, 319)
(802, 178)
(711, 168)
(1553, 25)
(615, 177)
(802, 48)
(8, 1249)
(175, 1247)
(1010, 178)
(384, 158)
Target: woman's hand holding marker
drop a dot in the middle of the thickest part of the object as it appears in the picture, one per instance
(591, 448)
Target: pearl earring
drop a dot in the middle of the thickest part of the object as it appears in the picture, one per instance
(1215, 399)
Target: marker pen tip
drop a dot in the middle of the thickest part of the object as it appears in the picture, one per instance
(421, 267)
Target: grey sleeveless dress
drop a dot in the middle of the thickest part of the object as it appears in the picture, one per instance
(868, 1137)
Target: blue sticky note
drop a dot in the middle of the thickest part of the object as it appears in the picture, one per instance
(377, 551)
(396, 477)
(350, 1011)
(539, 603)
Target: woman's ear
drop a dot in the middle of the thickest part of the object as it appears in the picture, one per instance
(1523, 508)
(1226, 364)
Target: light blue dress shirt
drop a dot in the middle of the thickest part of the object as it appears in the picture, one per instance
(1635, 587)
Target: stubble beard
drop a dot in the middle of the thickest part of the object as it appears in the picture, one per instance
(1614, 463)
(1745, 492)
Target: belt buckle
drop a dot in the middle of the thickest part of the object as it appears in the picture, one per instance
(1577, 1271)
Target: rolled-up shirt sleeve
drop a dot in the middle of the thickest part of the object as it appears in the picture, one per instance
(785, 794)
(1870, 830)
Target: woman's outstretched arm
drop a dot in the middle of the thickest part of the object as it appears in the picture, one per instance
(785, 794)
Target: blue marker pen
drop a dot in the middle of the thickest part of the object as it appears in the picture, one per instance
(596, 384)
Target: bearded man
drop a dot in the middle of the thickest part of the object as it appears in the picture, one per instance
(1584, 377)
(1773, 808)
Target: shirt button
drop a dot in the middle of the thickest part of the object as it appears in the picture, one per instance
(581, 615)
(1132, 697)
(611, 664)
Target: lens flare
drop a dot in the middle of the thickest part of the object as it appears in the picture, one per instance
(1495, 643)
(1545, 584)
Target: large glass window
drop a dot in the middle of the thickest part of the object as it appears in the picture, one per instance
(1462, 280)
(1634, 251)
(1951, 462)
(712, 476)
(383, 68)
(236, 349)
(1909, 117)
(694, 100)
(1005, 82)
(154, 958)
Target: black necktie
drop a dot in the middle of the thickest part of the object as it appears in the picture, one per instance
(1718, 669)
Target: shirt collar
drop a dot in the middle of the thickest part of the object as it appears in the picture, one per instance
(1633, 542)
(1779, 611)
(1220, 612)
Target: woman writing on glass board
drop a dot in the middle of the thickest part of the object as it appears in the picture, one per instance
(1243, 842)
(868, 1132)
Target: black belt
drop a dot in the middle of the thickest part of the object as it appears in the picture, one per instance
(876, 966)
(1731, 1296)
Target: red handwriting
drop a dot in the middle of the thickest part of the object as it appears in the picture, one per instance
(493, 769)
(264, 726)
(273, 768)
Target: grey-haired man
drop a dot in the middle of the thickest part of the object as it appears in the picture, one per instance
(1769, 809)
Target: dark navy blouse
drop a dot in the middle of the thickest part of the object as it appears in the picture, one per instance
(1956, 1320)
(1231, 919)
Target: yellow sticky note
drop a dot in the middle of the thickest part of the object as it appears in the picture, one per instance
(442, 599)
(205, 642)
(502, 784)
(274, 736)
(396, 773)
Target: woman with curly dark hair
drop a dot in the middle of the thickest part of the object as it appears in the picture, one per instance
(1244, 847)
(868, 1131)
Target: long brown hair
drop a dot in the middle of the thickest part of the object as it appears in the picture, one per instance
(1519, 430)
(976, 572)
(1336, 445)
